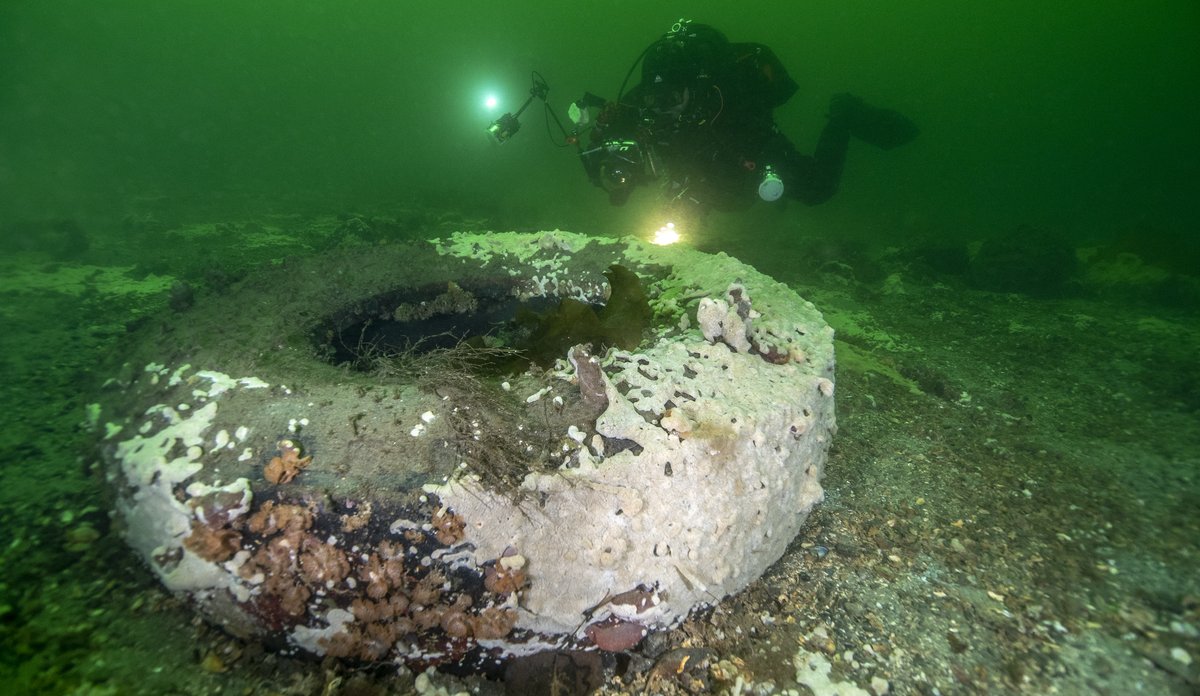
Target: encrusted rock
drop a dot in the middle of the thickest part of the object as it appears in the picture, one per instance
(421, 515)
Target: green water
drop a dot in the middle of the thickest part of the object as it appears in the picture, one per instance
(1078, 116)
(130, 130)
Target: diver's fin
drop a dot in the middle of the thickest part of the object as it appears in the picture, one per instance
(883, 128)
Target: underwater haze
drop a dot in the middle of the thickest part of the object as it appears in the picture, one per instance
(1012, 499)
(1075, 115)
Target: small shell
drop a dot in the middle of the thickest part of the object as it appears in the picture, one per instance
(537, 395)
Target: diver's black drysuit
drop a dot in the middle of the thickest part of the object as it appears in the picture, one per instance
(703, 112)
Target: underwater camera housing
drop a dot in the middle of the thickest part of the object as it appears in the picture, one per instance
(619, 165)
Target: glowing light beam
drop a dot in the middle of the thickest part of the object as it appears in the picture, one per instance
(667, 234)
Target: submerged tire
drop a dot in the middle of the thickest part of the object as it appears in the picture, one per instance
(431, 517)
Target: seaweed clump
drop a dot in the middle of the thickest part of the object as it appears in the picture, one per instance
(501, 439)
(620, 322)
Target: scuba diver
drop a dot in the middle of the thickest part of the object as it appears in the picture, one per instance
(700, 122)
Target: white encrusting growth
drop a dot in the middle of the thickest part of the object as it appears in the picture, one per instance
(680, 470)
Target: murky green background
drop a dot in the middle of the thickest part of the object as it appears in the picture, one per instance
(1076, 116)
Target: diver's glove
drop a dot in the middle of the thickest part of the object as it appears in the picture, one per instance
(882, 128)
